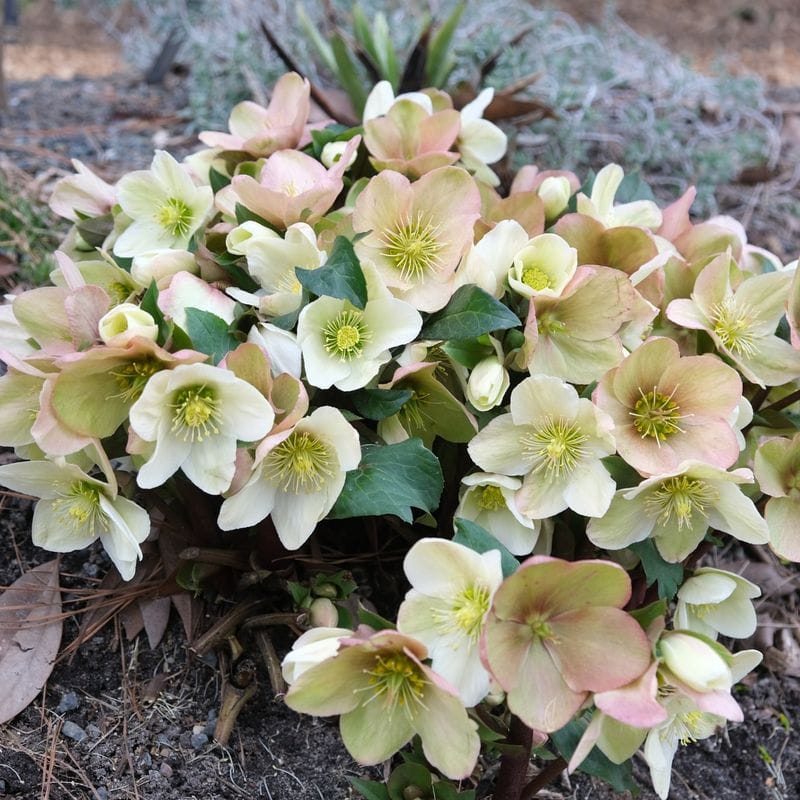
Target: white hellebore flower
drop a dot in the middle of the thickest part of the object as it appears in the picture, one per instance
(490, 501)
(195, 414)
(165, 205)
(344, 346)
(310, 649)
(695, 661)
(489, 380)
(480, 142)
(543, 267)
(555, 440)
(298, 476)
(75, 510)
(600, 206)
(124, 322)
(381, 99)
(451, 592)
(714, 601)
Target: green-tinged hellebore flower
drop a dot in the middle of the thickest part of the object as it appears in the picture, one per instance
(451, 591)
(312, 648)
(125, 322)
(714, 601)
(600, 205)
(777, 469)
(386, 695)
(695, 661)
(557, 632)
(545, 265)
(75, 510)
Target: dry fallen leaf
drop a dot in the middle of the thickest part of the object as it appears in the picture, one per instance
(155, 614)
(30, 635)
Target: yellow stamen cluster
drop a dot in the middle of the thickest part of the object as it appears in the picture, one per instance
(656, 415)
(132, 377)
(345, 335)
(678, 499)
(195, 413)
(175, 216)
(555, 447)
(399, 681)
(540, 628)
(466, 612)
(301, 463)
(491, 498)
(413, 248)
(80, 508)
(536, 278)
(732, 325)
(414, 413)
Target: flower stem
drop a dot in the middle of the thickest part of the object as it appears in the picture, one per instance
(514, 768)
(784, 402)
(544, 778)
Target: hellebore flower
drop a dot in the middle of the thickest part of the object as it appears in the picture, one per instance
(742, 322)
(124, 322)
(677, 508)
(556, 440)
(488, 380)
(544, 266)
(312, 648)
(451, 591)
(298, 476)
(557, 632)
(82, 194)
(714, 601)
(165, 205)
(480, 142)
(75, 510)
(385, 696)
(667, 409)
(417, 232)
(195, 414)
(644, 213)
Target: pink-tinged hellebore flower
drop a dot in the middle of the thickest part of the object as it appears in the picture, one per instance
(298, 476)
(557, 632)
(714, 601)
(742, 322)
(417, 233)
(793, 307)
(777, 469)
(667, 409)
(544, 266)
(75, 510)
(261, 131)
(312, 648)
(451, 591)
(293, 187)
(188, 291)
(165, 205)
(386, 695)
(676, 509)
(195, 414)
(491, 502)
(556, 440)
(82, 195)
(480, 141)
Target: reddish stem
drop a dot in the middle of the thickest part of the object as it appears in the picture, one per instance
(514, 768)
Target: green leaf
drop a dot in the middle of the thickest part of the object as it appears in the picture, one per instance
(376, 621)
(95, 230)
(244, 214)
(624, 475)
(387, 55)
(347, 73)
(209, 334)
(469, 352)
(647, 615)
(150, 305)
(620, 776)
(470, 313)
(378, 404)
(315, 37)
(669, 576)
(633, 187)
(439, 63)
(340, 277)
(408, 775)
(472, 535)
(391, 479)
(217, 179)
(333, 133)
(371, 790)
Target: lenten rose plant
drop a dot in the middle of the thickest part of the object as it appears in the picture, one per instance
(493, 448)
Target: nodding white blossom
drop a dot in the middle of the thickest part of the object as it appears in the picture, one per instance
(125, 321)
(600, 205)
(195, 414)
(76, 509)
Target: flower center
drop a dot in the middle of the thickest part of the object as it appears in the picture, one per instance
(345, 335)
(301, 463)
(175, 216)
(536, 278)
(414, 413)
(732, 323)
(118, 291)
(679, 498)
(555, 447)
(547, 324)
(195, 413)
(398, 680)
(412, 248)
(540, 628)
(688, 727)
(656, 415)
(132, 377)
(491, 498)
(80, 507)
(465, 614)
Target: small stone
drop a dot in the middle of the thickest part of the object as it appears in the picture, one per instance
(198, 741)
(93, 731)
(198, 729)
(102, 793)
(166, 770)
(145, 760)
(73, 731)
(2, 786)
(90, 569)
(69, 702)
(211, 723)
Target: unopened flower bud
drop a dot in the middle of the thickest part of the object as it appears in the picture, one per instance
(413, 792)
(488, 383)
(159, 264)
(326, 590)
(323, 613)
(554, 193)
(695, 662)
(124, 322)
(332, 153)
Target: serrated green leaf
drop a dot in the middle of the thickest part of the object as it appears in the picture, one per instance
(391, 479)
(669, 576)
(209, 334)
(470, 313)
(439, 63)
(377, 404)
(370, 790)
(620, 776)
(178, 339)
(149, 304)
(347, 73)
(341, 276)
(217, 179)
(477, 538)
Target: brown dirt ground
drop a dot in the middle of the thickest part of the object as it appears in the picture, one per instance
(139, 745)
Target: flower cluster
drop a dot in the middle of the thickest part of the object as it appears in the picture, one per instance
(288, 316)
